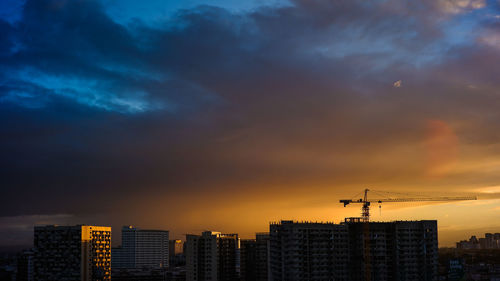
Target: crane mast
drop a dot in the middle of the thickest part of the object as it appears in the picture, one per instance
(365, 209)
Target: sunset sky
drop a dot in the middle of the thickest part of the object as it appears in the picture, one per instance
(224, 115)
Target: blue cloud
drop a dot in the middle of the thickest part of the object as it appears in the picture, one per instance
(76, 50)
(157, 12)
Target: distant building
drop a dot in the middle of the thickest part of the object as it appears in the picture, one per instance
(352, 251)
(490, 241)
(7, 272)
(176, 247)
(142, 248)
(25, 266)
(176, 274)
(456, 271)
(254, 258)
(72, 253)
(473, 243)
(211, 256)
(176, 250)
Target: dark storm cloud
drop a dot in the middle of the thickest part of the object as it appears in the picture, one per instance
(94, 111)
(6, 40)
(75, 50)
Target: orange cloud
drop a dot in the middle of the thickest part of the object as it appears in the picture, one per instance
(441, 146)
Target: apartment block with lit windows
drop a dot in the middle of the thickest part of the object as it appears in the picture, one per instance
(72, 253)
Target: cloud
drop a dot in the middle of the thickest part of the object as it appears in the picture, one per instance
(459, 6)
(490, 38)
(75, 50)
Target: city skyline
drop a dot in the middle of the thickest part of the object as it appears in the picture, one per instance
(291, 250)
(228, 115)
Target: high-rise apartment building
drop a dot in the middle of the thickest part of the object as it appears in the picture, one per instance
(399, 250)
(72, 253)
(211, 256)
(254, 258)
(142, 248)
(354, 250)
(308, 251)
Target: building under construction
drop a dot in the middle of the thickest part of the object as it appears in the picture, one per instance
(354, 250)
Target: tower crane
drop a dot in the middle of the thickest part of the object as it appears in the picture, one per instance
(365, 209)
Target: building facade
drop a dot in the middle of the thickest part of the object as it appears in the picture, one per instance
(354, 250)
(212, 256)
(142, 248)
(399, 250)
(308, 251)
(254, 258)
(72, 253)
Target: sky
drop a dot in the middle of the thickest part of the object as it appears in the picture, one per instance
(226, 115)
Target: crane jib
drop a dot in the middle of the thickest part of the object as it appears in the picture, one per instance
(365, 210)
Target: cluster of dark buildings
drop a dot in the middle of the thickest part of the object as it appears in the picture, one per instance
(489, 241)
(476, 259)
(469, 264)
(459, 269)
(350, 251)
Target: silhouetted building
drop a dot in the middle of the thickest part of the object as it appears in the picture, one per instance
(455, 270)
(176, 274)
(139, 274)
(399, 250)
(351, 251)
(8, 272)
(72, 253)
(308, 251)
(211, 256)
(254, 258)
(490, 241)
(142, 248)
(149, 274)
(25, 266)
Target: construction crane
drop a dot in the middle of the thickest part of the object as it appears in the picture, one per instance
(365, 209)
